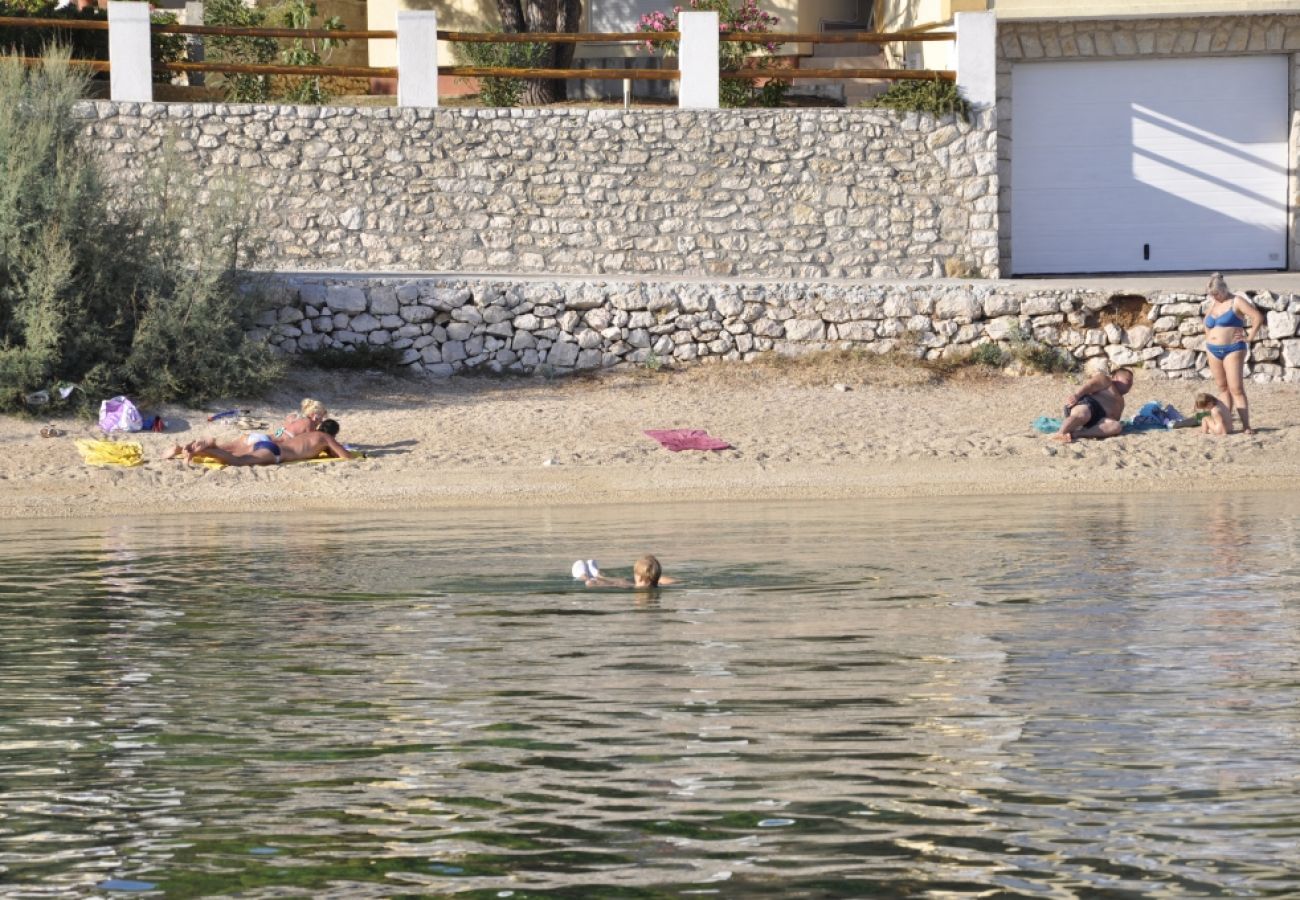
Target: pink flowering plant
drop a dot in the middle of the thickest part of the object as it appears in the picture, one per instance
(746, 18)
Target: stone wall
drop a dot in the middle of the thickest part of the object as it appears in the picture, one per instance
(808, 193)
(448, 325)
(1152, 38)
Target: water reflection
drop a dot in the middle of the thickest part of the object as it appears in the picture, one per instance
(1042, 699)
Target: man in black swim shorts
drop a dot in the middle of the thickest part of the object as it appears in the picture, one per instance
(1093, 411)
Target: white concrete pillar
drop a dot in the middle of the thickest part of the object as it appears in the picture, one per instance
(130, 72)
(194, 42)
(417, 58)
(977, 57)
(697, 60)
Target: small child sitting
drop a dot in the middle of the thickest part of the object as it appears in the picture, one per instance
(1219, 420)
(646, 574)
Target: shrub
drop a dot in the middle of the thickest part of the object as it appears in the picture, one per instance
(936, 97)
(1037, 356)
(81, 43)
(498, 90)
(100, 290)
(299, 14)
(746, 19)
(988, 355)
(246, 50)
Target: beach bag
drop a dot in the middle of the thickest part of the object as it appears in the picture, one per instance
(119, 414)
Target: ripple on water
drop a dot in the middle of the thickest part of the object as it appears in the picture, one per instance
(1026, 697)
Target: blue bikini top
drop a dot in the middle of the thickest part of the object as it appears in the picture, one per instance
(1228, 319)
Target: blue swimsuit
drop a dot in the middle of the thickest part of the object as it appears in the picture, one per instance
(1228, 319)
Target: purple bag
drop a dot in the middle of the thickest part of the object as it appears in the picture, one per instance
(119, 414)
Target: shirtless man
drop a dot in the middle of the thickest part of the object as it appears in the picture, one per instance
(1093, 411)
(268, 453)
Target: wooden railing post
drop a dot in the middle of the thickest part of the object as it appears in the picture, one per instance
(697, 60)
(417, 58)
(977, 57)
(130, 74)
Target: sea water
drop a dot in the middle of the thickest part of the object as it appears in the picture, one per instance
(1015, 697)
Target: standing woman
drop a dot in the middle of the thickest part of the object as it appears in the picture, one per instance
(1227, 343)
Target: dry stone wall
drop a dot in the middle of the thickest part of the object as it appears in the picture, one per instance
(806, 193)
(447, 325)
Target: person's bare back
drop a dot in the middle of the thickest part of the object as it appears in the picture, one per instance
(311, 445)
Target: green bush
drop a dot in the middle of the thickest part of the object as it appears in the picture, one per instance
(242, 50)
(936, 97)
(989, 355)
(81, 43)
(497, 90)
(138, 297)
(1037, 356)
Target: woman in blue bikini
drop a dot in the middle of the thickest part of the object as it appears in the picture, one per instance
(1227, 343)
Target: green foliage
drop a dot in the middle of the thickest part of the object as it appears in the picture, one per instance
(80, 43)
(299, 14)
(100, 291)
(497, 90)
(990, 355)
(1037, 356)
(359, 358)
(934, 96)
(746, 18)
(245, 50)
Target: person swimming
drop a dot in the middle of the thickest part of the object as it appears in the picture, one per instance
(647, 573)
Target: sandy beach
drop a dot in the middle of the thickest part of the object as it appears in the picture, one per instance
(829, 428)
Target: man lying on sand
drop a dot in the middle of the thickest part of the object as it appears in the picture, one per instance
(262, 451)
(1093, 411)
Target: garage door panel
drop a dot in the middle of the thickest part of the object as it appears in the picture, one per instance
(1149, 165)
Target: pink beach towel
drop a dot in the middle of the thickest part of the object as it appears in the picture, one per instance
(676, 439)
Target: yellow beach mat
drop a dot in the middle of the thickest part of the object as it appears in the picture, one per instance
(218, 464)
(110, 453)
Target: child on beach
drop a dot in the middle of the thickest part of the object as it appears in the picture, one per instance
(646, 574)
(1219, 420)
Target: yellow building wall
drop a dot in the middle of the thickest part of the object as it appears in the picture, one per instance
(453, 15)
(1112, 9)
(901, 15)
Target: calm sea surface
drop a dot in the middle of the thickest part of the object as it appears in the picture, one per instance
(1030, 697)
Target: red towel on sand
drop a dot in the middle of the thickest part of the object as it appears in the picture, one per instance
(676, 439)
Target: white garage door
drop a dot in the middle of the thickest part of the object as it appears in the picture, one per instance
(1149, 166)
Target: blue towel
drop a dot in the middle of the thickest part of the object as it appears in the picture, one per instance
(1152, 416)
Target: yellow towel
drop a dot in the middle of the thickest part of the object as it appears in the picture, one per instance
(218, 464)
(110, 453)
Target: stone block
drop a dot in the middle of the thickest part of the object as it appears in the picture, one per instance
(364, 323)
(1281, 325)
(345, 298)
(1291, 353)
(383, 301)
(418, 314)
(1039, 306)
(1000, 305)
(563, 355)
(805, 330)
(1138, 336)
(960, 306)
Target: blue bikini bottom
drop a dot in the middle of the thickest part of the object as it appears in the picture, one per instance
(1221, 351)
